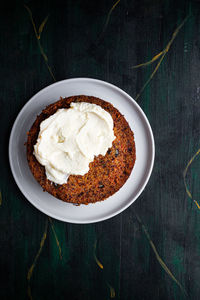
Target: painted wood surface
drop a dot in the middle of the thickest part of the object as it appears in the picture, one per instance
(151, 250)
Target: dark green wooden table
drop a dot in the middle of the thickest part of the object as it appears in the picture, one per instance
(151, 250)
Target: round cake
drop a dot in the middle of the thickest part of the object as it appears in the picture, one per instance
(106, 175)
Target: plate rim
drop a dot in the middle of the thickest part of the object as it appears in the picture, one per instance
(147, 177)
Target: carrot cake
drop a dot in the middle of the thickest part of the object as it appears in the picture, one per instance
(105, 156)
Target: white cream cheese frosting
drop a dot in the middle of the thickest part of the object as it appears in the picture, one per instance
(70, 139)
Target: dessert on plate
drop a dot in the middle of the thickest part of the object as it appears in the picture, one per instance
(81, 149)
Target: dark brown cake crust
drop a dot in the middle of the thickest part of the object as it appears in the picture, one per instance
(107, 173)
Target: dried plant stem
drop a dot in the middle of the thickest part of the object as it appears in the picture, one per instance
(112, 290)
(108, 19)
(184, 177)
(95, 257)
(109, 14)
(148, 62)
(159, 259)
(38, 36)
(30, 271)
(31, 17)
(150, 78)
(56, 238)
(46, 60)
(160, 55)
(42, 26)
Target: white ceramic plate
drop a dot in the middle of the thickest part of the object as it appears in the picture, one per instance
(99, 211)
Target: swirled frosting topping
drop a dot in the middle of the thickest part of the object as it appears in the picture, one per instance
(70, 139)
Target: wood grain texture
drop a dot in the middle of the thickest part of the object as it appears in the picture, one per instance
(136, 32)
